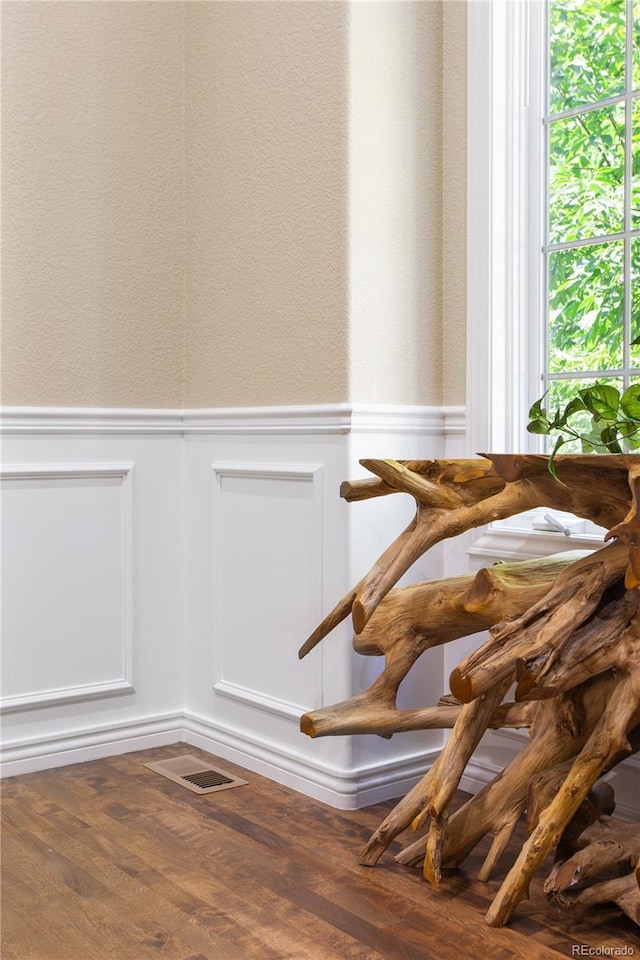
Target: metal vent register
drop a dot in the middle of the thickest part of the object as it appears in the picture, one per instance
(195, 775)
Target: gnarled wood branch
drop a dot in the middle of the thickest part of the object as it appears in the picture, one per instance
(412, 619)
(604, 868)
(565, 628)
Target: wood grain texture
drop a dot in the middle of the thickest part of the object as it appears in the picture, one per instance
(109, 861)
(567, 636)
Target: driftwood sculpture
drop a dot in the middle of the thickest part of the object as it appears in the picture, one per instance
(564, 629)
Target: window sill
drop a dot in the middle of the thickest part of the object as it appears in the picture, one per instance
(499, 542)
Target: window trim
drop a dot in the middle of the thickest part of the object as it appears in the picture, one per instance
(505, 232)
(504, 267)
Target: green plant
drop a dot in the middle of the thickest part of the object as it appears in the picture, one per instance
(599, 418)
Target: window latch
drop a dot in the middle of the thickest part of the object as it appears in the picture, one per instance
(550, 523)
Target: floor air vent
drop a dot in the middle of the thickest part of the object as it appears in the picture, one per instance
(195, 775)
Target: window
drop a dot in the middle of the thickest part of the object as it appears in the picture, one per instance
(591, 187)
(553, 206)
(553, 213)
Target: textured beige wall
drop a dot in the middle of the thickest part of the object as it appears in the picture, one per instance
(454, 201)
(396, 201)
(233, 203)
(92, 203)
(266, 204)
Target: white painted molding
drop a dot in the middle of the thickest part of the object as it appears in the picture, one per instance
(454, 421)
(63, 471)
(332, 418)
(260, 701)
(313, 419)
(430, 421)
(88, 420)
(91, 743)
(480, 225)
(343, 789)
(504, 158)
(327, 419)
(54, 697)
(304, 419)
(118, 685)
(302, 472)
(268, 471)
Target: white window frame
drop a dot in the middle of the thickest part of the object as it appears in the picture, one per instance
(503, 281)
(505, 230)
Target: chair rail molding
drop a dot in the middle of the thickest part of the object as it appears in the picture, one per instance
(337, 418)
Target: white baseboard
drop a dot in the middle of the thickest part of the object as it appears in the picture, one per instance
(342, 789)
(96, 743)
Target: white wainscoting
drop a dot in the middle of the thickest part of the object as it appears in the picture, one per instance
(271, 549)
(92, 602)
(164, 568)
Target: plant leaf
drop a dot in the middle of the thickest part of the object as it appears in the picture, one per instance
(537, 411)
(601, 400)
(609, 438)
(560, 442)
(538, 426)
(630, 402)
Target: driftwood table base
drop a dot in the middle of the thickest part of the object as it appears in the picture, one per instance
(564, 629)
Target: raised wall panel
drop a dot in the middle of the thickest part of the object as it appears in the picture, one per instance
(66, 583)
(267, 535)
(224, 604)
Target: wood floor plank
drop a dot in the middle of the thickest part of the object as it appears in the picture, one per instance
(158, 919)
(242, 880)
(473, 892)
(123, 864)
(152, 838)
(95, 899)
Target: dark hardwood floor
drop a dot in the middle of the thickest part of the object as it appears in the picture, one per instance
(110, 861)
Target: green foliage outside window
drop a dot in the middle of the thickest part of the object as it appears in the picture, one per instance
(587, 195)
